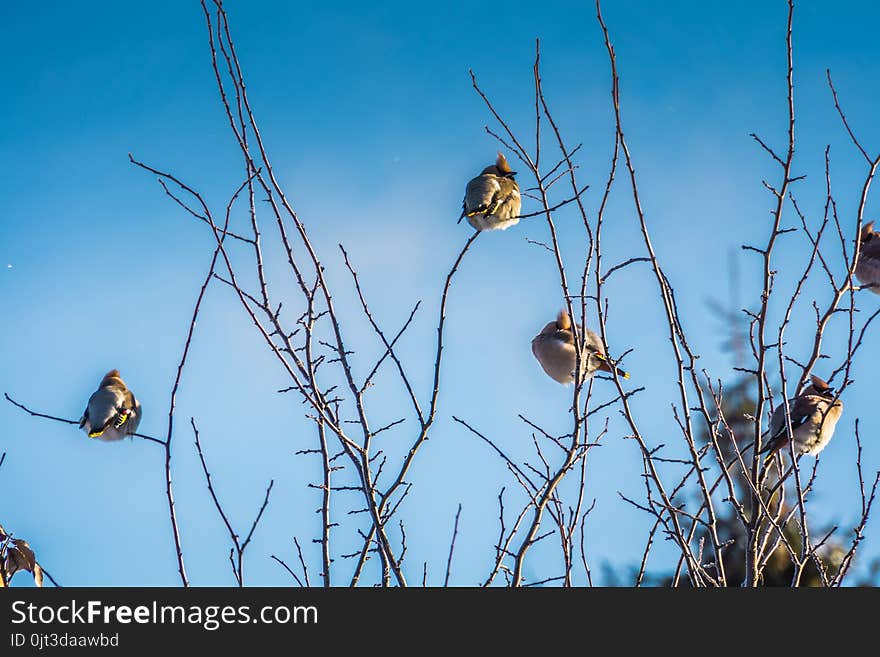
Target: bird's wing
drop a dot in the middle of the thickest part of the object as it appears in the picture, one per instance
(776, 434)
(129, 403)
(506, 201)
(103, 408)
(799, 409)
(136, 418)
(508, 189)
(129, 413)
(480, 194)
(593, 342)
(869, 261)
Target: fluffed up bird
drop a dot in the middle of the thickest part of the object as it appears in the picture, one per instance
(555, 351)
(492, 200)
(814, 414)
(112, 412)
(868, 267)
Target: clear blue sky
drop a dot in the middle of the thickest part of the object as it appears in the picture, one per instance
(374, 129)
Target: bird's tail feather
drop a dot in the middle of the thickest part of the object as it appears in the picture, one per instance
(609, 365)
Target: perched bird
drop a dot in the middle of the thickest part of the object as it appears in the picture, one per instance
(492, 200)
(868, 268)
(814, 414)
(554, 349)
(112, 412)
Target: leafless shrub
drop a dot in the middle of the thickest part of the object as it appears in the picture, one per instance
(734, 518)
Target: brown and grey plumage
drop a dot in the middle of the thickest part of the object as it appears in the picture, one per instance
(112, 412)
(868, 267)
(555, 351)
(814, 414)
(492, 200)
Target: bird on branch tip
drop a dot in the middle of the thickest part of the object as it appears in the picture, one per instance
(814, 414)
(112, 412)
(554, 348)
(492, 200)
(868, 267)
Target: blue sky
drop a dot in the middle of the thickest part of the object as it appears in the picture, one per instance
(373, 129)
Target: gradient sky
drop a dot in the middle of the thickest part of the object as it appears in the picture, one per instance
(373, 129)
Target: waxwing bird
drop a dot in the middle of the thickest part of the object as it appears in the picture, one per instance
(555, 351)
(112, 412)
(814, 414)
(868, 267)
(492, 200)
